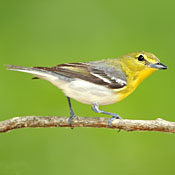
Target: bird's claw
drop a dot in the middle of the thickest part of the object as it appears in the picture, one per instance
(70, 120)
(113, 118)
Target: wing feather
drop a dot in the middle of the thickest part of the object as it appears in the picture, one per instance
(103, 75)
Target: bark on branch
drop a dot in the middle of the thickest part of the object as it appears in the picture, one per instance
(98, 122)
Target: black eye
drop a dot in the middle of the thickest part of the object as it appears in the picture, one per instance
(140, 58)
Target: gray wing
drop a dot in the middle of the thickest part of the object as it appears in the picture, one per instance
(116, 77)
(95, 72)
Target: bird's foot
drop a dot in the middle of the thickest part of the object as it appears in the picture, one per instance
(115, 116)
(70, 120)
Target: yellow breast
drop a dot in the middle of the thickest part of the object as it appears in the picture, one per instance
(133, 80)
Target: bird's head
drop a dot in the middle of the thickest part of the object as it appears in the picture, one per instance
(138, 61)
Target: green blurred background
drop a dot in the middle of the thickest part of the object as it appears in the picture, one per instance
(50, 32)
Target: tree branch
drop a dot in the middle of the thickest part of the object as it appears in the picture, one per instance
(98, 122)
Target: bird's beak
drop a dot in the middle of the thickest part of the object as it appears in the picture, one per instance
(158, 66)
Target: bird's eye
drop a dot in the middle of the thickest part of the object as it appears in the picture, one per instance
(140, 58)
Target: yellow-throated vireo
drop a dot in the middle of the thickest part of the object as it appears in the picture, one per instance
(100, 82)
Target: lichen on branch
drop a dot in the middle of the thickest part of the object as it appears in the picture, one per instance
(93, 122)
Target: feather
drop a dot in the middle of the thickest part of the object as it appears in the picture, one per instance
(92, 72)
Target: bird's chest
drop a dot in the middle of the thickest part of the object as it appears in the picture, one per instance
(133, 81)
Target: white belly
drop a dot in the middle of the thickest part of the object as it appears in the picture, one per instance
(86, 92)
(80, 90)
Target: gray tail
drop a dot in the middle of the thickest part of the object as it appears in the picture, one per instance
(38, 73)
(16, 68)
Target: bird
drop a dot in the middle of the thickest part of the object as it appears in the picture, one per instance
(100, 82)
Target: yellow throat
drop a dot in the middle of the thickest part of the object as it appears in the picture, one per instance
(134, 79)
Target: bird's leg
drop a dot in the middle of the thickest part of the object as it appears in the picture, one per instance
(95, 108)
(72, 114)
